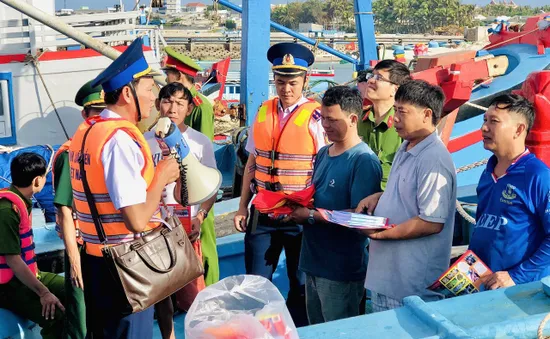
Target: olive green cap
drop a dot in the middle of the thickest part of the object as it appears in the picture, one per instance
(90, 96)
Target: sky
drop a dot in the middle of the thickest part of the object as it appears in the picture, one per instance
(98, 4)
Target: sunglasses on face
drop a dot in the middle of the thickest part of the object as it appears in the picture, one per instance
(366, 76)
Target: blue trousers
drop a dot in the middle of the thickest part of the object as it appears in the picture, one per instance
(262, 250)
(106, 312)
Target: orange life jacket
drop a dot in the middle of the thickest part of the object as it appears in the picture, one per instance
(64, 148)
(284, 160)
(25, 236)
(113, 223)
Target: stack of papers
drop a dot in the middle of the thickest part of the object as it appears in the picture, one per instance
(355, 220)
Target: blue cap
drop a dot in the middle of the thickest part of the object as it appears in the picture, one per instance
(128, 66)
(290, 58)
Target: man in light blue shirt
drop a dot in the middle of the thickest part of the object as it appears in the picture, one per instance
(333, 256)
(419, 199)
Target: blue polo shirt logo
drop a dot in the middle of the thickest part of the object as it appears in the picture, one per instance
(508, 194)
(491, 222)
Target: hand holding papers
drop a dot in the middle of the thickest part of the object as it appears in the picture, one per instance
(355, 220)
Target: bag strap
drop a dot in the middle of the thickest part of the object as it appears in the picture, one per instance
(89, 196)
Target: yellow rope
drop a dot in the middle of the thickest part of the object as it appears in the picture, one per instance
(540, 334)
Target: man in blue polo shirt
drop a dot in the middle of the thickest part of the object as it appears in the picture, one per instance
(512, 234)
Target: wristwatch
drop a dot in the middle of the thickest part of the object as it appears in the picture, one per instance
(204, 212)
(311, 219)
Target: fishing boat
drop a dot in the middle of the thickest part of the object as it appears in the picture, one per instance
(514, 311)
(315, 72)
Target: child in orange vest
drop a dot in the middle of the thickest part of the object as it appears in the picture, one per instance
(24, 289)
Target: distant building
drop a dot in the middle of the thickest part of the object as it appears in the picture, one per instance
(195, 7)
(309, 28)
(172, 7)
(65, 11)
(505, 3)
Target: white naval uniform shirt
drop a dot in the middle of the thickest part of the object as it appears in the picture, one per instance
(122, 164)
(201, 147)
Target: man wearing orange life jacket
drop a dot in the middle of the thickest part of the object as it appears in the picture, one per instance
(24, 289)
(282, 143)
(91, 99)
(125, 185)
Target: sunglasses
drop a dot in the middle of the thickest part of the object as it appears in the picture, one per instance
(366, 76)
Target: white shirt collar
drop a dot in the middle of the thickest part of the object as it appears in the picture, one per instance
(108, 114)
(291, 108)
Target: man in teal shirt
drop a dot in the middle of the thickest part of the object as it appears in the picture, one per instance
(375, 126)
(332, 256)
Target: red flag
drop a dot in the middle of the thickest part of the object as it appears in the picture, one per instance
(221, 67)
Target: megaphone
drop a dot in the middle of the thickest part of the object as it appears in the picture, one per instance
(201, 182)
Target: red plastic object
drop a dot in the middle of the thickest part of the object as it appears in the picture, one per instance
(536, 89)
(530, 34)
(276, 203)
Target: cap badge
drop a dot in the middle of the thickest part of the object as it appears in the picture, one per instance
(288, 59)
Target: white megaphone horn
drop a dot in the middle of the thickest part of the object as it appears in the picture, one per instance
(202, 182)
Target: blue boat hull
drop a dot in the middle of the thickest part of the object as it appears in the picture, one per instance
(523, 59)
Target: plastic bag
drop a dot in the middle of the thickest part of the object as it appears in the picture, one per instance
(240, 307)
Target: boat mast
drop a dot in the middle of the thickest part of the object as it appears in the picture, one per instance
(52, 22)
(364, 23)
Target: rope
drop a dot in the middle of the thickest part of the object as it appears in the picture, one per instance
(471, 166)
(458, 204)
(34, 61)
(514, 38)
(314, 49)
(464, 214)
(476, 106)
(540, 334)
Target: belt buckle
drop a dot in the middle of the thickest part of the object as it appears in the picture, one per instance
(273, 186)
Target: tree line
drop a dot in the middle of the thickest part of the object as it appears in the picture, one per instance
(395, 16)
(332, 14)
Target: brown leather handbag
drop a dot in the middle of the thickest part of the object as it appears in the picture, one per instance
(149, 268)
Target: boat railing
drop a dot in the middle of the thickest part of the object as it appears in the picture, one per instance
(111, 28)
(14, 36)
(155, 38)
(20, 36)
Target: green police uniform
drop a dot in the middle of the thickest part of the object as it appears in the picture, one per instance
(15, 295)
(202, 116)
(382, 139)
(75, 325)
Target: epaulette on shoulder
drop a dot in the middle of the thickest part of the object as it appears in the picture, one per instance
(316, 115)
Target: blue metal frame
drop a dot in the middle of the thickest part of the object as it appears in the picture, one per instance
(364, 22)
(13, 139)
(254, 63)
